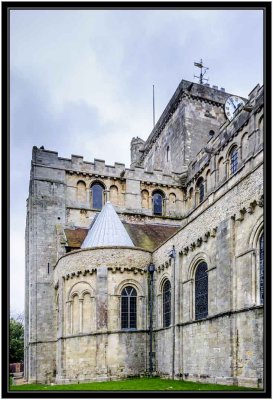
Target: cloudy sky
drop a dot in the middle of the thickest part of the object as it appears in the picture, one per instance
(81, 83)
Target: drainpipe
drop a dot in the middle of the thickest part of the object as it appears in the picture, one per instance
(151, 270)
(173, 255)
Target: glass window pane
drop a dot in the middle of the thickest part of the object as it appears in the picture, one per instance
(201, 191)
(167, 304)
(97, 196)
(201, 291)
(158, 200)
(234, 161)
(128, 308)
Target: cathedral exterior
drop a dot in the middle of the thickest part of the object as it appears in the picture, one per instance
(157, 268)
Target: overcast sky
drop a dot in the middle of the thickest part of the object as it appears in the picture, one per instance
(81, 83)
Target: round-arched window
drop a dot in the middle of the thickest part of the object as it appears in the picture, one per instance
(201, 187)
(201, 291)
(166, 303)
(129, 308)
(158, 203)
(234, 160)
(97, 195)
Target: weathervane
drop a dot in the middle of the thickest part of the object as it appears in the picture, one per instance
(201, 76)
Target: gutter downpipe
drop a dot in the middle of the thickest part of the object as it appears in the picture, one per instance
(151, 270)
(173, 255)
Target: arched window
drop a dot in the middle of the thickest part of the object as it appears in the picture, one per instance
(166, 303)
(208, 179)
(261, 250)
(128, 308)
(201, 189)
(158, 203)
(233, 160)
(201, 291)
(97, 196)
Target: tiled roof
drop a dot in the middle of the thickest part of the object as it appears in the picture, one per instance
(149, 236)
(146, 236)
(75, 237)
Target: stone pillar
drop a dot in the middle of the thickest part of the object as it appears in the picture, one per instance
(102, 297)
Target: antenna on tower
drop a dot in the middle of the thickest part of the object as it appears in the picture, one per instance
(201, 76)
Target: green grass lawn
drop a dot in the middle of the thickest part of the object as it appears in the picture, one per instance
(132, 384)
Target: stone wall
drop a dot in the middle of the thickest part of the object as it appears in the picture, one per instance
(90, 342)
(183, 129)
(224, 232)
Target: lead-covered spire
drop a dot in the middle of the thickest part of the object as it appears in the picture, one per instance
(107, 230)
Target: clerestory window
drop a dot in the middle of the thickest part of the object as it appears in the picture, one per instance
(97, 196)
(233, 160)
(158, 203)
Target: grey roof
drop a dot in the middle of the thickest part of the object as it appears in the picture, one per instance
(107, 230)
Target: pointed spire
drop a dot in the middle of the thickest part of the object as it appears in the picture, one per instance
(107, 230)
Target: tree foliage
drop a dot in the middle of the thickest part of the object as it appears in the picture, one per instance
(16, 340)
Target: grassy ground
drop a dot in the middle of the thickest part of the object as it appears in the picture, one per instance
(141, 384)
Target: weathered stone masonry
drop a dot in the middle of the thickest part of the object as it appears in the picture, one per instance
(73, 296)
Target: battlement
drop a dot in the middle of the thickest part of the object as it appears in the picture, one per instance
(48, 158)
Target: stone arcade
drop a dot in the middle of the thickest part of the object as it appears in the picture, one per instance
(191, 204)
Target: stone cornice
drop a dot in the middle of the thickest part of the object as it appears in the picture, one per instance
(250, 209)
(93, 270)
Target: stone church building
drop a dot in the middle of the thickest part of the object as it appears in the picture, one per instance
(157, 268)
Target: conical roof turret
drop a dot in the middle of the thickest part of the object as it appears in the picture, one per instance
(107, 230)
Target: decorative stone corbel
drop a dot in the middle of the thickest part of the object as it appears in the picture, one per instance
(213, 232)
(206, 236)
(241, 215)
(250, 209)
(261, 201)
(192, 246)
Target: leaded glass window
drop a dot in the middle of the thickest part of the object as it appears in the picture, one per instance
(201, 191)
(167, 304)
(262, 269)
(234, 161)
(128, 308)
(201, 291)
(97, 196)
(158, 203)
